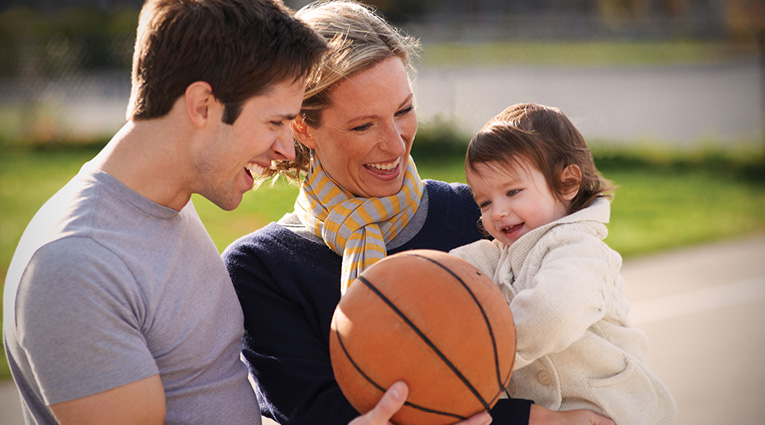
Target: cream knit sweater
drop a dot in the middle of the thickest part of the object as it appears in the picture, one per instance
(575, 346)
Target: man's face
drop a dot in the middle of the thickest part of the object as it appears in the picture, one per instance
(235, 153)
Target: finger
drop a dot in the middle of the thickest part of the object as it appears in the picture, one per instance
(602, 420)
(483, 418)
(391, 402)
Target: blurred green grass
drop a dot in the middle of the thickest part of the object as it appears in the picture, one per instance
(663, 201)
(584, 53)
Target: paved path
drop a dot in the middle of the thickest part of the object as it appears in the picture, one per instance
(685, 105)
(703, 309)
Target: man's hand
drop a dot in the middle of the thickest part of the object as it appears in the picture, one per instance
(542, 416)
(393, 400)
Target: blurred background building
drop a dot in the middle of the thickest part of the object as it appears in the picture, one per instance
(64, 64)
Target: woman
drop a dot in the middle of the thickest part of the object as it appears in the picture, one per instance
(355, 132)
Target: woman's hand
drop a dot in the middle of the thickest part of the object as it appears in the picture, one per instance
(394, 399)
(542, 416)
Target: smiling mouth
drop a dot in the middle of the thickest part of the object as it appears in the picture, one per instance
(254, 169)
(511, 229)
(384, 167)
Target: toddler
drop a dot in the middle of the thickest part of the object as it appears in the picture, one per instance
(546, 207)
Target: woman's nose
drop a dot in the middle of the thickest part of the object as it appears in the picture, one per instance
(393, 139)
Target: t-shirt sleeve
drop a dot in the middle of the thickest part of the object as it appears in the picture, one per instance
(80, 316)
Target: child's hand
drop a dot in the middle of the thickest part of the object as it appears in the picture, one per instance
(542, 416)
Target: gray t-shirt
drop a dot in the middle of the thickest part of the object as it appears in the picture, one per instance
(107, 288)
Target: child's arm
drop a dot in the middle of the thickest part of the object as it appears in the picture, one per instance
(483, 254)
(561, 296)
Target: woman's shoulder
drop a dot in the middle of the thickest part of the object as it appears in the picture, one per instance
(451, 218)
(440, 189)
(271, 240)
(271, 231)
(455, 199)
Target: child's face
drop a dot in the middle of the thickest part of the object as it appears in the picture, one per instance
(514, 199)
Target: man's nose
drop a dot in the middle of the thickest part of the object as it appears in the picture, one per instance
(284, 146)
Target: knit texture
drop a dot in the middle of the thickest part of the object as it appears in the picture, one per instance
(575, 346)
(356, 228)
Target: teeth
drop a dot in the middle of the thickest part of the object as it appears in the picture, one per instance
(386, 167)
(508, 228)
(255, 169)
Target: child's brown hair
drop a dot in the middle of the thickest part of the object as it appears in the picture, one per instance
(547, 138)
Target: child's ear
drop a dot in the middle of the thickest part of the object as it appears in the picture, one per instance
(302, 132)
(571, 177)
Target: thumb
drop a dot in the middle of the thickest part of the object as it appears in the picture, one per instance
(389, 404)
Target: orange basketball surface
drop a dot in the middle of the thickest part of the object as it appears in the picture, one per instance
(429, 319)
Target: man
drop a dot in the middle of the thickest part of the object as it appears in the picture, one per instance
(118, 308)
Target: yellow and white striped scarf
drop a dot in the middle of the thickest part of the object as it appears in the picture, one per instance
(354, 227)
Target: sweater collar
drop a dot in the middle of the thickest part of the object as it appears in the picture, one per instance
(598, 212)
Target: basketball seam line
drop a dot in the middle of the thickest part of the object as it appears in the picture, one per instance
(382, 390)
(485, 318)
(427, 341)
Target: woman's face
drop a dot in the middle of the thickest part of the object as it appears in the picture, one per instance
(367, 131)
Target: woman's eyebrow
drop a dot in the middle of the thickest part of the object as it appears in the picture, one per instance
(372, 116)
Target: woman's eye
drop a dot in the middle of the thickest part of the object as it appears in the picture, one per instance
(405, 111)
(362, 127)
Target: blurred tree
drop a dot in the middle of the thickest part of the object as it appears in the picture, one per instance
(745, 19)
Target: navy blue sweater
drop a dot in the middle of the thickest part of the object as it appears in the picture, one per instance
(289, 287)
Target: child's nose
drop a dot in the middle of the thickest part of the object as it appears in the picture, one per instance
(499, 212)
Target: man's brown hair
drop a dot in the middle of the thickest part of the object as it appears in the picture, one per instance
(240, 47)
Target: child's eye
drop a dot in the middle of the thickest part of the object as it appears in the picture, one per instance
(511, 193)
(484, 205)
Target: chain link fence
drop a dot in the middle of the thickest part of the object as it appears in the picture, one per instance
(59, 88)
(70, 82)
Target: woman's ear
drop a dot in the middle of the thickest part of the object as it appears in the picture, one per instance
(199, 101)
(571, 177)
(302, 132)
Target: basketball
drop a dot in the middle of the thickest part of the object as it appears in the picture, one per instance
(429, 319)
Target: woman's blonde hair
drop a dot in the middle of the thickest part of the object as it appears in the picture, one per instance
(358, 38)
